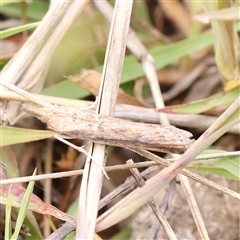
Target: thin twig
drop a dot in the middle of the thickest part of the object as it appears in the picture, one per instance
(126, 187)
(63, 231)
(157, 160)
(193, 207)
(165, 205)
(73, 173)
(153, 204)
(218, 155)
(189, 174)
(165, 162)
(48, 183)
(7, 95)
(81, 150)
(25, 94)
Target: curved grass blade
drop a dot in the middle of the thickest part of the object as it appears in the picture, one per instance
(203, 105)
(227, 166)
(8, 225)
(214, 170)
(12, 31)
(24, 208)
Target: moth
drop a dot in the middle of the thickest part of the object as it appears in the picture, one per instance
(74, 123)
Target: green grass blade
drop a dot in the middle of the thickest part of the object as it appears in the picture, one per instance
(12, 31)
(24, 208)
(34, 227)
(203, 105)
(124, 234)
(8, 225)
(62, 90)
(214, 170)
(231, 164)
(12, 135)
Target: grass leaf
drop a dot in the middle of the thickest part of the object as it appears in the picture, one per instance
(203, 105)
(24, 208)
(125, 234)
(213, 170)
(230, 164)
(12, 135)
(12, 31)
(8, 225)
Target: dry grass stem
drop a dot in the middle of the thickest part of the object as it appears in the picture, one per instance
(193, 207)
(25, 94)
(81, 150)
(73, 173)
(48, 184)
(153, 204)
(92, 177)
(141, 53)
(126, 187)
(218, 155)
(7, 95)
(148, 65)
(189, 174)
(62, 231)
(156, 160)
